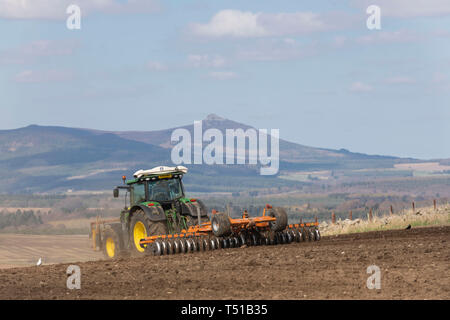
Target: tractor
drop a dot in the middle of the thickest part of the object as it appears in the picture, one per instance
(159, 219)
(155, 204)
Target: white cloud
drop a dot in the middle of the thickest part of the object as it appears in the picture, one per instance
(222, 75)
(339, 41)
(408, 8)
(400, 36)
(38, 49)
(400, 80)
(56, 9)
(156, 66)
(360, 87)
(205, 60)
(439, 77)
(30, 76)
(278, 49)
(239, 24)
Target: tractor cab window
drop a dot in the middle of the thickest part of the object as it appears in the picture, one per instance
(138, 193)
(165, 190)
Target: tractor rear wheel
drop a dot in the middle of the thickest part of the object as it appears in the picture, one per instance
(141, 227)
(111, 243)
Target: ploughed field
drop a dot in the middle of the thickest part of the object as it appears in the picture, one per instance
(414, 264)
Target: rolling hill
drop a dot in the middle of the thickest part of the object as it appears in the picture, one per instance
(55, 159)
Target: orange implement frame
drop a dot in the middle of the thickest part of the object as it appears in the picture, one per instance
(205, 229)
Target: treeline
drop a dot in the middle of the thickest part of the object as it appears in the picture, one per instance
(321, 206)
(19, 218)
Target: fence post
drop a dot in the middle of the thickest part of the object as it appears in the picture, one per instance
(333, 218)
(392, 210)
(370, 215)
(350, 215)
(434, 204)
(413, 206)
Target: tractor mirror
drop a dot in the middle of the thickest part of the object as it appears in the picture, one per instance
(116, 193)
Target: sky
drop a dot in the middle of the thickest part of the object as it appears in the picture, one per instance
(312, 69)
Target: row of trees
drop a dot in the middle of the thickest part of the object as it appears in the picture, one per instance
(19, 218)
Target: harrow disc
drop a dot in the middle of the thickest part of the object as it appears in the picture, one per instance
(164, 247)
(280, 239)
(169, 247)
(242, 239)
(206, 245)
(288, 236)
(317, 234)
(189, 245)
(218, 243)
(225, 244)
(176, 246)
(157, 248)
(183, 246)
(198, 244)
(298, 236)
(254, 238)
(213, 244)
(311, 234)
(305, 234)
(194, 245)
(285, 238)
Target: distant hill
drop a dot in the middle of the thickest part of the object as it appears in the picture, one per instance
(52, 159)
(293, 155)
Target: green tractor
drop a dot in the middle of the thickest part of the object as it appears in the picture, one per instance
(156, 205)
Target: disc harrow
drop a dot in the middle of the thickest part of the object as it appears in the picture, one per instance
(223, 232)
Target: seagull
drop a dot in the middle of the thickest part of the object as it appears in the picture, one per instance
(39, 262)
(408, 227)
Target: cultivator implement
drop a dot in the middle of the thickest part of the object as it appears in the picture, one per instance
(224, 232)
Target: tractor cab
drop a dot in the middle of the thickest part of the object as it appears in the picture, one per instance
(160, 185)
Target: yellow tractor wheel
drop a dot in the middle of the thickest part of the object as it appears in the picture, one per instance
(111, 245)
(141, 227)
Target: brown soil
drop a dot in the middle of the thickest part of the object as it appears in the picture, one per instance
(414, 265)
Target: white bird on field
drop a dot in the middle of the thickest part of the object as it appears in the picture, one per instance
(39, 262)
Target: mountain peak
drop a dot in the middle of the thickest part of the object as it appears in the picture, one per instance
(214, 116)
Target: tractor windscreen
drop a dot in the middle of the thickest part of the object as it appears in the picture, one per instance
(165, 190)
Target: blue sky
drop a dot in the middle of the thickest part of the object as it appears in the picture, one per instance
(309, 68)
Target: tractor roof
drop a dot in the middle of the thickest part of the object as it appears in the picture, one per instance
(158, 172)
